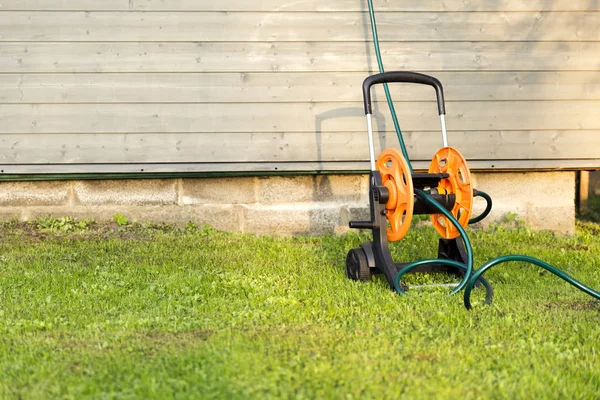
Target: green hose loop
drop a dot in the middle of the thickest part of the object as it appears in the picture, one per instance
(527, 259)
(489, 292)
(420, 263)
(388, 96)
(488, 207)
(463, 235)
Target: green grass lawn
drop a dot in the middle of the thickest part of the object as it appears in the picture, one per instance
(103, 311)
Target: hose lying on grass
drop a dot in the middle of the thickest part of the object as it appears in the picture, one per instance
(471, 278)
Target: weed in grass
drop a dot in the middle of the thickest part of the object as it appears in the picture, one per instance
(10, 223)
(191, 227)
(64, 224)
(121, 220)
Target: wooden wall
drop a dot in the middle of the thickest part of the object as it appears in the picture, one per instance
(232, 85)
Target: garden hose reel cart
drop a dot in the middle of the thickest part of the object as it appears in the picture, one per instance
(393, 201)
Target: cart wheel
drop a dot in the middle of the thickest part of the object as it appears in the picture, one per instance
(357, 267)
(449, 160)
(396, 177)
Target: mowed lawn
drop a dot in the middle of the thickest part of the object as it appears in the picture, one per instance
(127, 311)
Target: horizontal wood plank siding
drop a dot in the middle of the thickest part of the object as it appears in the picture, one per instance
(262, 87)
(296, 147)
(296, 26)
(299, 5)
(300, 57)
(205, 86)
(291, 117)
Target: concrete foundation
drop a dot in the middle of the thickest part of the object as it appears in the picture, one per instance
(274, 205)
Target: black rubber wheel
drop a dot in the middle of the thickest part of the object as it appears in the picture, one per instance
(357, 267)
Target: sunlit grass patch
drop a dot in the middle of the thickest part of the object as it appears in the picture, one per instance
(129, 311)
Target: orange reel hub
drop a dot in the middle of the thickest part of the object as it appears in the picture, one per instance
(396, 177)
(449, 160)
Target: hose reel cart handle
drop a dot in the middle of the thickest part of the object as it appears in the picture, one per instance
(406, 77)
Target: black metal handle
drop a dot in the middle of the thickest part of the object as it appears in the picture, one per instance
(402, 76)
(361, 224)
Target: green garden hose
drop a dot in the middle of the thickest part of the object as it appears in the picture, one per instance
(472, 278)
(488, 207)
(527, 259)
(388, 96)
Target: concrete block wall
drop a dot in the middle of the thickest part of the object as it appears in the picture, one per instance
(544, 200)
(272, 205)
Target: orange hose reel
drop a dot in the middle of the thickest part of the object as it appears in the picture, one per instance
(396, 177)
(449, 160)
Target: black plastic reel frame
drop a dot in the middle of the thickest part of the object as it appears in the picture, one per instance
(375, 257)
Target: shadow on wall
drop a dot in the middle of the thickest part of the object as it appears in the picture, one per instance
(379, 118)
(337, 201)
(595, 182)
(323, 220)
(332, 155)
(589, 208)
